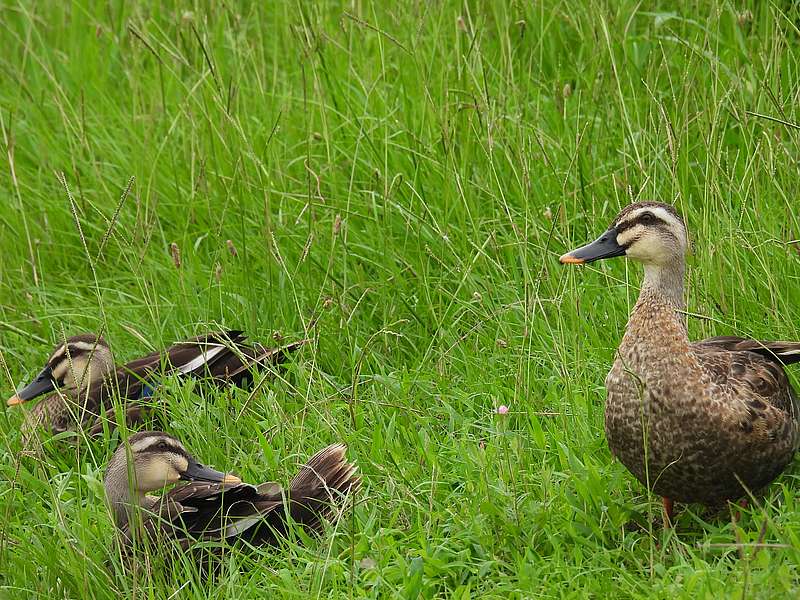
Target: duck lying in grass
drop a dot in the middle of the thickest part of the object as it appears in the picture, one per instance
(216, 506)
(83, 377)
(706, 421)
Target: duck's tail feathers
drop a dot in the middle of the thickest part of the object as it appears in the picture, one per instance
(228, 360)
(320, 491)
(240, 367)
(785, 352)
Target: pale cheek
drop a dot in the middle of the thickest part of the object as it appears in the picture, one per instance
(156, 481)
(59, 373)
(627, 239)
(73, 372)
(645, 250)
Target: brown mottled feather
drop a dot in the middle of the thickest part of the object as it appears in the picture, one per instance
(730, 359)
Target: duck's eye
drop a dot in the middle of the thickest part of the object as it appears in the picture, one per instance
(647, 218)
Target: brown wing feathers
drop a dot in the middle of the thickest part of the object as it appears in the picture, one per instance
(786, 353)
(758, 365)
(205, 351)
(222, 357)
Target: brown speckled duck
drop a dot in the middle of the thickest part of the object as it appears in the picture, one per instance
(83, 377)
(700, 421)
(215, 506)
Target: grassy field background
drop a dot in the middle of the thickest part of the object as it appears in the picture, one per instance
(397, 180)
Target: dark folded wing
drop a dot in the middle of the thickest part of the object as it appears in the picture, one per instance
(217, 511)
(732, 361)
(137, 379)
(223, 357)
(238, 367)
(784, 352)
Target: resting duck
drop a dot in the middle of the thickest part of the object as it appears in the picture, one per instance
(216, 506)
(704, 421)
(83, 376)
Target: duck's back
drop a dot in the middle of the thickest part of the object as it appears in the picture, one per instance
(765, 405)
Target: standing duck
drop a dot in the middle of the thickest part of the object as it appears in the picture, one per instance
(216, 506)
(83, 377)
(706, 421)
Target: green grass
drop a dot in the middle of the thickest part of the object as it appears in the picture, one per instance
(398, 180)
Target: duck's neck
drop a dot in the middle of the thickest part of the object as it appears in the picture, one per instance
(664, 283)
(656, 324)
(124, 501)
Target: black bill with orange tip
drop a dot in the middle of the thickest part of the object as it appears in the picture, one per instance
(43, 383)
(605, 246)
(197, 472)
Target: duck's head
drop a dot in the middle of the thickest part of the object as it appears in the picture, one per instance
(652, 233)
(154, 459)
(74, 365)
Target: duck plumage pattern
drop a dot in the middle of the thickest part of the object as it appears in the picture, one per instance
(215, 506)
(82, 379)
(705, 421)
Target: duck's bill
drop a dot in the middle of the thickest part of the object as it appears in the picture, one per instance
(42, 384)
(605, 246)
(198, 472)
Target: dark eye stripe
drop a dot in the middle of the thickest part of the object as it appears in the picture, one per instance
(67, 357)
(163, 447)
(638, 220)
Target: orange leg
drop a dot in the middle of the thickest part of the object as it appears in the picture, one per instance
(669, 507)
(737, 514)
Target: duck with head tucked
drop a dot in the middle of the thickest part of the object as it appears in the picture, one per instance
(706, 421)
(81, 378)
(216, 506)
